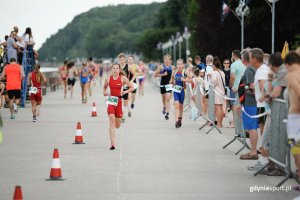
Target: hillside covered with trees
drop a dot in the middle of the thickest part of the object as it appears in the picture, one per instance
(101, 32)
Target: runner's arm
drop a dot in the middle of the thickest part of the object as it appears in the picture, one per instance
(2, 89)
(105, 87)
(3, 74)
(134, 75)
(29, 79)
(158, 74)
(172, 78)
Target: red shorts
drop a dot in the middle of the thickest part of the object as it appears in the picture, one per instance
(116, 110)
(37, 97)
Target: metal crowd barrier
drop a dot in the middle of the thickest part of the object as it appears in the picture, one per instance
(279, 149)
(211, 111)
(239, 133)
(187, 100)
(198, 100)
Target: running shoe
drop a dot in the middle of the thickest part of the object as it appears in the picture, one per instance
(164, 111)
(112, 147)
(12, 117)
(15, 108)
(256, 167)
(129, 114)
(176, 125)
(179, 122)
(132, 106)
(123, 120)
(167, 116)
(34, 119)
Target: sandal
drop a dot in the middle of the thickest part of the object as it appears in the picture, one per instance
(248, 156)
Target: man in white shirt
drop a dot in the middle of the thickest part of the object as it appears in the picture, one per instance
(260, 78)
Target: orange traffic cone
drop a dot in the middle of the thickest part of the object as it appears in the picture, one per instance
(55, 173)
(18, 193)
(78, 136)
(94, 110)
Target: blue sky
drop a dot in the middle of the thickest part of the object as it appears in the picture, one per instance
(46, 17)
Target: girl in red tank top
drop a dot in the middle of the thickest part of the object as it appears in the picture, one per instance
(114, 99)
(36, 79)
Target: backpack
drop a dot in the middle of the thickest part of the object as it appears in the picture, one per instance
(242, 90)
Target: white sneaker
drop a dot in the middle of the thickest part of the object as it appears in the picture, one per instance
(34, 119)
(15, 108)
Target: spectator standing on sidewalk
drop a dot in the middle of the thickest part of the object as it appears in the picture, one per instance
(250, 124)
(14, 75)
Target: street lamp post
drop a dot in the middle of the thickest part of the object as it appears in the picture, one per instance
(174, 42)
(242, 10)
(180, 40)
(273, 21)
(186, 35)
(160, 47)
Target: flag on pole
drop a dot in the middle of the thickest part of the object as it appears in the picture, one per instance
(285, 50)
(225, 11)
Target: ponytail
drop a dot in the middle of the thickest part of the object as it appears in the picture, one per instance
(39, 76)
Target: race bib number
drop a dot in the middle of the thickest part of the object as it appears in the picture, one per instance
(141, 77)
(33, 90)
(112, 100)
(135, 85)
(169, 87)
(177, 88)
(125, 87)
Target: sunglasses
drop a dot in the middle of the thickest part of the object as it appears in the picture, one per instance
(226, 63)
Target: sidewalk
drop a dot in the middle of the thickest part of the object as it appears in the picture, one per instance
(153, 160)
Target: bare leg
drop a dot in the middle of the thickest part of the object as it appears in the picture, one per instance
(261, 127)
(86, 86)
(82, 91)
(297, 162)
(11, 108)
(163, 96)
(180, 110)
(176, 110)
(219, 114)
(65, 88)
(133, 98)
(167, 102)
(118, 122)
(253, 141)
(33, 104)
(90, 88)
(72, 89)
(112, 126)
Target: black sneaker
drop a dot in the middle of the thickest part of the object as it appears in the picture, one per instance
(164, 111)
(129, 114)
(132, 106)
(112, 148)
(179, 123)
(167, 117)
(34, 118)
(176, 125)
